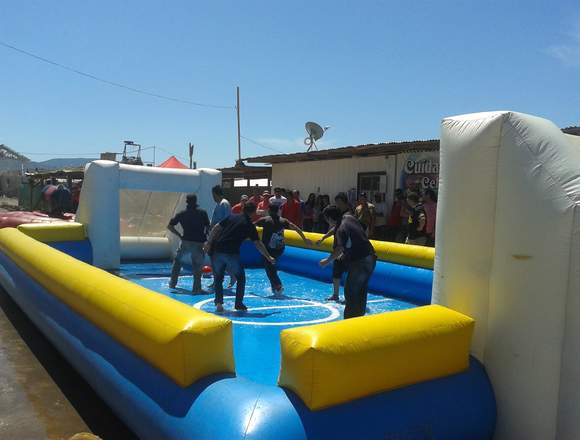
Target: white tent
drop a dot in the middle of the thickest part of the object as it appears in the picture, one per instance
(508, 254)
(126, 208)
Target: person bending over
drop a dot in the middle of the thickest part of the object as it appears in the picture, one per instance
(195, 224)
(224, 244)
(358, 255)
(273, 240)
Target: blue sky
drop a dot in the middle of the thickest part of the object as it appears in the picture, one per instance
(374, 71)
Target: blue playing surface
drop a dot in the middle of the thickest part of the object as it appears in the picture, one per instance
(257, 331)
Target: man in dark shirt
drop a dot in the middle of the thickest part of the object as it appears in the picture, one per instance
(417, 221)
(338, 268)
(195, 224)
(224, 245)
(273, 238)
(358, 257)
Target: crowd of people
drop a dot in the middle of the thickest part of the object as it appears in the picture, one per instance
(222, 238)
(413, 217)
(411, 220)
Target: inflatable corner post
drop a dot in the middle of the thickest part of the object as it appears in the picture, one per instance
(125, 208)
(508, 231)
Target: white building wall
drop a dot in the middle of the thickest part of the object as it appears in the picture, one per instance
(327, 176)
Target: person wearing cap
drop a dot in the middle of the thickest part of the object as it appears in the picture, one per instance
(195, 224)
(264, 204)
(365, 212)
(239, 207)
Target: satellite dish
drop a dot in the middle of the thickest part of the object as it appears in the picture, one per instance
(315, 132)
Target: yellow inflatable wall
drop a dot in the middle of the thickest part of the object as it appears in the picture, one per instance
(329, 364)
(184, 343)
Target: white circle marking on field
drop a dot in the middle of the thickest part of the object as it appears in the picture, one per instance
(334, 313)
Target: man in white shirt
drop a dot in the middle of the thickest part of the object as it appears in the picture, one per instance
(221, 211)
(222, 208)
(278, 199)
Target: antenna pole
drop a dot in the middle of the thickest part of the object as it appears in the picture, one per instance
(238, 113)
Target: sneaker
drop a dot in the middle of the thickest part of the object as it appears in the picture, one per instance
(219, 308)
(241, 307)
(333, 298)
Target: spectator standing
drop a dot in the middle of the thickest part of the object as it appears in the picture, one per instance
(292, 210)
(195, 225)
(263, 206)
(308, 213)
(416, 222)
(354, 248)
(394, 221)
(430, 206)
(278, 198)
(239, 207)
(224, 244)
(366, 214)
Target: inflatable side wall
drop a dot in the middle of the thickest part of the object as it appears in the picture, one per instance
(509, 250)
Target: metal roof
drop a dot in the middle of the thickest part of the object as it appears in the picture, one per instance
(382, 149)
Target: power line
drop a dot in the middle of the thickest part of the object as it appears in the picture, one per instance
(262, 145)
(113, 83)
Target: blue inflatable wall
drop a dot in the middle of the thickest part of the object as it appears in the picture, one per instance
(412, 284)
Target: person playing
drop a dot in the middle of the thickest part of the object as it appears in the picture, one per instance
(308, 213)
(224, 244)
(416, 222)
(273, 239)
(366, 214)
(221, 211)
(430, 206)
(278, 198)
(195, 224)
(354, 248)
(338, 268)
(222, 208)
(239, 207)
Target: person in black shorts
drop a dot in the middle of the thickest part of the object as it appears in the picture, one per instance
(358, 256)
(338, 268)
(224, 244)
(273, 239)
(195, 224)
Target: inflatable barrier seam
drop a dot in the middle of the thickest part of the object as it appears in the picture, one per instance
(146, 322)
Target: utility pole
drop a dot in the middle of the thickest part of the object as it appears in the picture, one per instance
(190, 156)
(239, 161)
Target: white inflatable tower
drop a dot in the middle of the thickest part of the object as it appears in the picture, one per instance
(147, 196)
(508, 254)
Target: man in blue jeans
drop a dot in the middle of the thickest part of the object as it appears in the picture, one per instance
(224, 244)
(354, 248)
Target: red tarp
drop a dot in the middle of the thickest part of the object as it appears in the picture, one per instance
(173, 162)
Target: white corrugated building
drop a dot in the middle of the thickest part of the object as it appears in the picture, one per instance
(377, 169)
